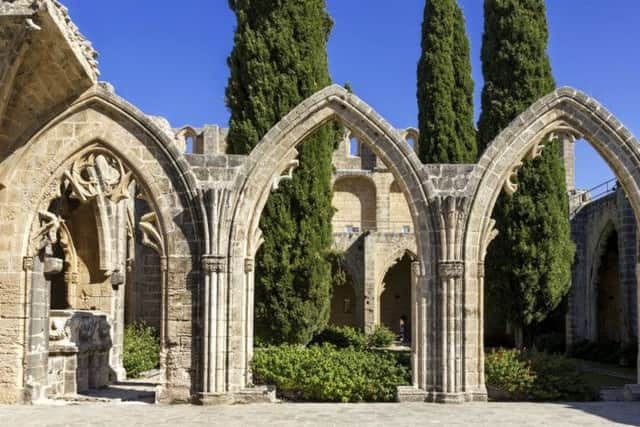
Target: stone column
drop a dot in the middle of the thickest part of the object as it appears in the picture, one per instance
(214, 268)
(371, 298)
(249, 266)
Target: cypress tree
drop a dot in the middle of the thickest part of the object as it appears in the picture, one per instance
(279, 59)
(529, 263)
(445, 87)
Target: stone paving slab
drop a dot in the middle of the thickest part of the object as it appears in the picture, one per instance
(289, 414)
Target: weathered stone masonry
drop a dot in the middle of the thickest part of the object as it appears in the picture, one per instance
(70, 147)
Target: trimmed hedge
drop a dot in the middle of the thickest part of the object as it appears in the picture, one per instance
(141, 349)
(342, 337)
(328, 374)
(513, 374)
(382, 336)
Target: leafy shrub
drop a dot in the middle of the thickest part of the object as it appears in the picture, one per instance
(532, 375)
(382, 336)
(507, 372)
(557, 378)
(328, 374)
(141, 349)
(342, 337)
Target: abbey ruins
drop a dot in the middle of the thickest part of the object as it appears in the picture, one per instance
(106, 218)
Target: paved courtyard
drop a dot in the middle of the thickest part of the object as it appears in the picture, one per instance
(494, 414)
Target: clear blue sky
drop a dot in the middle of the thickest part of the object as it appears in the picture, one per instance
(169, 58)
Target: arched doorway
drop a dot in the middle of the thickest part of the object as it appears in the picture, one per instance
(608, 297)
(395, 299)
(273, 159)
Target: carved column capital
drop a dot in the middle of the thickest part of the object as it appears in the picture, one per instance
(450, 269)
(214, 263)
(249, 265)
(27, 263)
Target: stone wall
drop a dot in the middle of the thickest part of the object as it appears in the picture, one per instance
(591, 227)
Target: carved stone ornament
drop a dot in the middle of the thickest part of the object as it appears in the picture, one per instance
(249, 265)
(511, 187)
(214, 263)
(47, 234)
(291, 166)
(151, 236)
(59, 330)
(98, 172)
(450, 269)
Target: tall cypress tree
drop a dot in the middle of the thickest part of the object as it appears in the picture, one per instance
(445, 87)
(529, 263)
(279, 59)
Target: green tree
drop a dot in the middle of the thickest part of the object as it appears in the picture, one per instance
(279, 59)
(445, 87)
(529, 263)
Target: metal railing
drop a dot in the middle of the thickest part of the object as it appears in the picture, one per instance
(581, 198)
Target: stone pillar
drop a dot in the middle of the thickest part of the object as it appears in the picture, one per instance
(215, 312)
(249, 267)
(371, 297)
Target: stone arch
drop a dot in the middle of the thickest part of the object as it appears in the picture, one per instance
(566, 113)
(355, 200)
(276, 153)
(99, 120)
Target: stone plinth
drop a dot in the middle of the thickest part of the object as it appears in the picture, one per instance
(79, 344)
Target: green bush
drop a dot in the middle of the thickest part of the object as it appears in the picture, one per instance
(141, 349)
(557, 378)
(505, 371)
(342, 337)
(513, 374)
(382, 336)
(328, 374)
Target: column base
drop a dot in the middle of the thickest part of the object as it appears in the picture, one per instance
(411, 394)
(256, 394)
(440, 397)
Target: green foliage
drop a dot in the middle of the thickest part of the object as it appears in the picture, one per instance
(342, 337)
(279, 59)
(141, 349)
(327, 374)
(529, 263)
(506, 371)
(513, 374)
(445, 87)
(382, 336)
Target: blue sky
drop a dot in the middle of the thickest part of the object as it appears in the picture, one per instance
(169, 58)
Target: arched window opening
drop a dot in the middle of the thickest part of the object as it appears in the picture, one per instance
(355, 148)
(189, 144)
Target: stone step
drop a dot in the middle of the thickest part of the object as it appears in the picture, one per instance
(612, 394)
(632, 392)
